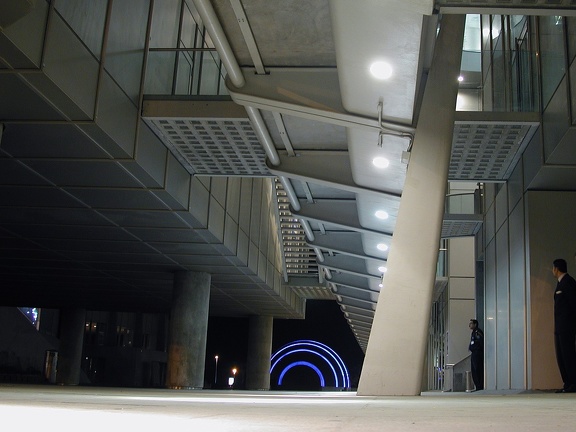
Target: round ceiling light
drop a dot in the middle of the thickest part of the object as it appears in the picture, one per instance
(382, 269)
(381, 70)
(381, 214)
(380, 162)
(383, 247)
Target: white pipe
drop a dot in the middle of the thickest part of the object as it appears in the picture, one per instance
(212, 24)
(263, 135)
(307, 229)
(287, 185)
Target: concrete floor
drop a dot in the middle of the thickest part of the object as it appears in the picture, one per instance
(54, 408)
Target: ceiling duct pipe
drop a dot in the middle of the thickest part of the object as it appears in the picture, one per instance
(263, 135)
(212, 24)
(307, 230)
(290, 193)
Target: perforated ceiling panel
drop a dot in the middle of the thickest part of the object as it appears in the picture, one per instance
(460, 228)
(214, 147)
(503, 3)
(487, 152)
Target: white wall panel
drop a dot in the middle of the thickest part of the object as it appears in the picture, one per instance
(177, 181)
(515, 187)
(502, 310)
(255, 215)
(216, 219)
(490, 321)
(218, 189)
(28, 34)
(245, 205)
(490, 223)
(253, 255)
(125, 45)
(87, 20)
(233, 197)
(231, 234)
(71, 66)
(501, 207)
(518, 330)
(199, 201)
(460, 312)
(532, 158)
(461, 257)
(151, 155)
(243, 246)
(117, 115)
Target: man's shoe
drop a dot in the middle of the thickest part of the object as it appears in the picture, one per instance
(560, 391)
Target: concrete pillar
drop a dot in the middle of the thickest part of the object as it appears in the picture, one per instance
(188, 330)
(72, 325)
(397, 346)
(259, 353)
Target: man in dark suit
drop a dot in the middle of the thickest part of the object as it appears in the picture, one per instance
(565, 325)
(476, 347)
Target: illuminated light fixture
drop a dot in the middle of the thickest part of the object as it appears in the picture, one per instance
(383, 247)
(380, 285)
(382, 269)
(380, 162)
(381, 214)
(302, 363)
(381, 70)
(460, 78)
(324, 352)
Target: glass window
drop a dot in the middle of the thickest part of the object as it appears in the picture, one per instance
(551, 54)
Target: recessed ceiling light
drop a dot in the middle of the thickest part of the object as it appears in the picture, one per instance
(381, 214)
(382, 269)
(381, 70)
(460, 78)
(383, 247)
(380, 285)
(380, 162)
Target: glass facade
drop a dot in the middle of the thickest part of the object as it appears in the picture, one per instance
(182, 61)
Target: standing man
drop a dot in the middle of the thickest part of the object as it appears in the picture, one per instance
(476, 347)
(565, 325)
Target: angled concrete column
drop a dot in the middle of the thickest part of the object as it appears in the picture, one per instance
(72, 324)
(259, 353)
(188, 326)
(398, 339)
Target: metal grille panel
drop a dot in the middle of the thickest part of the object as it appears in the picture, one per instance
(459, 228)
(487, 152)
(227, 147)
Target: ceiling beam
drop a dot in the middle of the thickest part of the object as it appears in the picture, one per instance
(326, 167)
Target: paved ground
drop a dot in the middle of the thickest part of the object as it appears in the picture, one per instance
(83, 409)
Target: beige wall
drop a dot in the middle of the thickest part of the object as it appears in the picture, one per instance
(462, 305)
(550, 223)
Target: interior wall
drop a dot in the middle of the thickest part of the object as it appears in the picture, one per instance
(549, 238)
(505, 298)
(461, 302)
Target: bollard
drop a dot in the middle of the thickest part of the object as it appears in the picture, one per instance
(469, 383)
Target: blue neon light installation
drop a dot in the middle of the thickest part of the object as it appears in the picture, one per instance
(324, 352)
(302, 363)
(312, 352)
